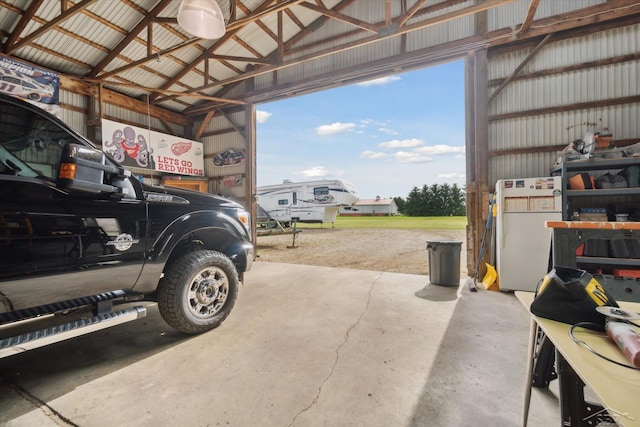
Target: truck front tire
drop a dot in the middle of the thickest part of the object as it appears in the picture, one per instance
(198, 291)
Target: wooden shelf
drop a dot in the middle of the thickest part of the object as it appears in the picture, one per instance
(201, 185)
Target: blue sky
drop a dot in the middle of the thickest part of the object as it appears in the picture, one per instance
(384, 136)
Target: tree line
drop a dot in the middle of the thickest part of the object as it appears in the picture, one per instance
(433, 200)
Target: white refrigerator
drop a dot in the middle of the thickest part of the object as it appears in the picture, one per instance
(523, 243)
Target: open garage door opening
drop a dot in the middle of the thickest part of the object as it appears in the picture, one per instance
(386, 138)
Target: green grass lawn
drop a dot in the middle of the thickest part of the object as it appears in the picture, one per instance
(413, 222)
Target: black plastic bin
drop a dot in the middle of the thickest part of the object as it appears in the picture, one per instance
(444, 262)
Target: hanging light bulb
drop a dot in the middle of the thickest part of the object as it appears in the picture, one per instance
(202, 18)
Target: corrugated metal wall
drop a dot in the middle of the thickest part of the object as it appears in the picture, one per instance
(220, 135)
(76, 113)
(512, 14)
(562, 90)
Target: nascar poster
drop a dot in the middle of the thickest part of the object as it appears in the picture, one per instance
(34, 84)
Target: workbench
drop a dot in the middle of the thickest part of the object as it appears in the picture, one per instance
(617, 388)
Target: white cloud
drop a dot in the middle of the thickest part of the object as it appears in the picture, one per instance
(388, 131)
(366, 122)
(334, 128)
(380, 82)
(440, 149)
(406, 157)
(402, 143)
(372, 155)
(451, 175)
(313, 172)
(262, 116)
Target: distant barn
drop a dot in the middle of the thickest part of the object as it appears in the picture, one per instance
(371, 207)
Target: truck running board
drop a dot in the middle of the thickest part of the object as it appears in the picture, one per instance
(40, 338)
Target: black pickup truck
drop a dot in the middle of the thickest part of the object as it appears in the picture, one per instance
(81, 240)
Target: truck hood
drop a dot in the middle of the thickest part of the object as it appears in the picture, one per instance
(164, 194)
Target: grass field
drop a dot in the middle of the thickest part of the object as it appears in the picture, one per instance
(412, 222)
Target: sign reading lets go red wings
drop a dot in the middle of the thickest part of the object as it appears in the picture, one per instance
(141, 148)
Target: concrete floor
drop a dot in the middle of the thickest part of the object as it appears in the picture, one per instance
(304, 346)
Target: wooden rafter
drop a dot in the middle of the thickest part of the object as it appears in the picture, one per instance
(204, 124)
(294, 19)
(519, 68)
(129, 38)
(531, 12)
(342, 18)
(315, 24)
(26, 18)
(414, 9)
(171, 92)
(49, 25)
(387, 12)
(295, 39)
(144, 60)
(258, 60)
(358, 43)
(231, 30)
(258, 22)
(614, 9)
(280, 36)
(412, 15)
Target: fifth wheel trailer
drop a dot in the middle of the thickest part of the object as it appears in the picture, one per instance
(311, 201)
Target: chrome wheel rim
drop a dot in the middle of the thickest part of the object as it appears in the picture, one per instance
(207, 292)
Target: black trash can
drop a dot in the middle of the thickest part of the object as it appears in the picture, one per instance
(444, 262)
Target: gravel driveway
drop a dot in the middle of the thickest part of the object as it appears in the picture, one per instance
(393, 250)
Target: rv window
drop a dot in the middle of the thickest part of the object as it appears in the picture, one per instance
(295, 198)
(320, 191)
(283, 202)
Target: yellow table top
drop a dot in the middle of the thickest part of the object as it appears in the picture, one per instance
(617, 388)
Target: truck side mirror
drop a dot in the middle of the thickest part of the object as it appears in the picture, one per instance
(84, 170)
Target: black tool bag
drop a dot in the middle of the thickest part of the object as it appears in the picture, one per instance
(608, 181)
(571, 296)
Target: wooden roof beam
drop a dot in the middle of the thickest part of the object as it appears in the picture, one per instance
(342, 18)
(204, 124)
(358, 43)
(414, 9)
(233, 28)
(49, 25)
(531, 12)
(26, 18)
(315, 24)
(146, 20)
(519, 68)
